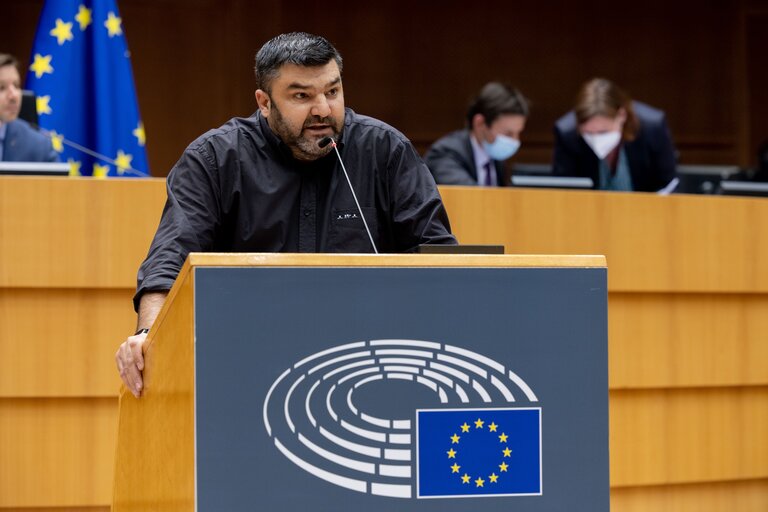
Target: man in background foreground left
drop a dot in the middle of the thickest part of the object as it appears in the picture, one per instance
(19, 142)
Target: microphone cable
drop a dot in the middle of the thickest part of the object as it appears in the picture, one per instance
(90, 152)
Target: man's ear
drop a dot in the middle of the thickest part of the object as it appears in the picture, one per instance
(264, 102)
(478, 123)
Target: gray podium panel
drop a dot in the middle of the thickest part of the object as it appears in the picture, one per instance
(408, 389)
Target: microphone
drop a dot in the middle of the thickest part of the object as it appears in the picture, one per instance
(328, 140)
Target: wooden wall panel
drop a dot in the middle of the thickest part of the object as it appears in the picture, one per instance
(688, 435)
(61, 342)
(642, 237)
(56, 452)
(55, 509)
(76, 232)
(687, 340)
(687, 325)
(737, 496)
(656, 437)
(652, 243)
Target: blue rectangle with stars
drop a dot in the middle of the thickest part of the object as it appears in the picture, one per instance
(81, 74)
(479, 452)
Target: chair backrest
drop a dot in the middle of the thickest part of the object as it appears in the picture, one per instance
(532, 169)
(29, 107)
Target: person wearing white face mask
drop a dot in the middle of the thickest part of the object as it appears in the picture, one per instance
(621, 144)
(475, 155)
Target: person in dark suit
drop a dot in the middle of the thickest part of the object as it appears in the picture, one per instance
(19, 142)
(620, 143)
(476, 154)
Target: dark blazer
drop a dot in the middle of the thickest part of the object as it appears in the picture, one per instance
(651, 155)
(25, 144)
(452, 161)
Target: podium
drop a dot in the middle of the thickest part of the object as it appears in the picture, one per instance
(362, 382)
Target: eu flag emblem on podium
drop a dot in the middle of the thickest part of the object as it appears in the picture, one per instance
(86, 101)
(479, 452)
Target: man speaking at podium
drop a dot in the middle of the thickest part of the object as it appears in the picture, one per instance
(278, 182)
(19, 142)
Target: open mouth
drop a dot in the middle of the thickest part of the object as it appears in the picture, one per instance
(319, 129)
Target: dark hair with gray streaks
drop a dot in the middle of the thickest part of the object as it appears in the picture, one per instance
(297, 48)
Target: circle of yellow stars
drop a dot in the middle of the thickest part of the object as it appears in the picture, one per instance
(42, 64)
(506, 452)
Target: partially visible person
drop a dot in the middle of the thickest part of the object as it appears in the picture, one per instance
(620, 143)
(19, 142)
(476, 154)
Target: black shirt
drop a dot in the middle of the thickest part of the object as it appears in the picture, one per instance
(238, 189)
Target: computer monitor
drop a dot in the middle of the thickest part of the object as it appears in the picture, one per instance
(35, 168)
(703, 179)
(743, 188)
(552, 182)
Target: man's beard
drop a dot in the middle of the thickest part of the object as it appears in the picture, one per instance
(303, 147)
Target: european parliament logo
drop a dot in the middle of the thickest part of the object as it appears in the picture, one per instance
(477, 435)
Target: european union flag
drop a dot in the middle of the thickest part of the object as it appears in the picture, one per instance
(479, 452)
(81, 74)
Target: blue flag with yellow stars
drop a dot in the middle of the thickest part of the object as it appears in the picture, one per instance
(86, 101)
(479, 452)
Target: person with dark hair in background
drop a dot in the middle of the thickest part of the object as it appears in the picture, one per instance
(266, 184)
(620, 143)
(19, 141)
(475, 155)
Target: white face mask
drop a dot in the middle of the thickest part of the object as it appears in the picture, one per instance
(602, 143)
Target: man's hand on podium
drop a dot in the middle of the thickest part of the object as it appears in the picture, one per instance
(130, 355)
(130, 361)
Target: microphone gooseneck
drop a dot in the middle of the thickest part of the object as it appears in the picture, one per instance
(328, 140)
(74, 145)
